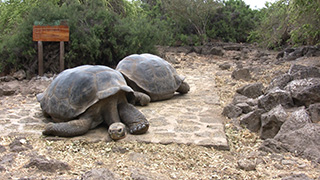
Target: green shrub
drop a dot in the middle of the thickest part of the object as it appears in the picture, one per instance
(101, 32)
(15, 37)
(232, 22)
(289, 23)
(304, 16)
(272, 32)
(196, 22)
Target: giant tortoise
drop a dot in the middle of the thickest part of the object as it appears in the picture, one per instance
(81, 98)
(151, 77)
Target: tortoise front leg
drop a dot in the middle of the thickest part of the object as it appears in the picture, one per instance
(68, 129)
(133, 118)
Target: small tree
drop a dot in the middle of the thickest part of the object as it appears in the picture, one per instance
(233, 21)
(191, 15)
(289, 22)
(275, 25)
(305, 17)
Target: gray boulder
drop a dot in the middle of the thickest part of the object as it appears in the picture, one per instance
(239, 98)
(232, 111)
(98, 174)
(297, 120)
(303, 141)
(247, 165)
(246, 108)
(253, 102)
(241, 74)
(7, 79)
(304, 91)
(280, 81)
(292, 54)
(217, 51)
(44, 164)
(9, 88)
(314, 111)
(297, 135)
(302, 72)
(272, 146)
(313, 51)
(275, 97)
(225, 66)
(252, 120)
(251, 90)
(272, 121)
(20, 75)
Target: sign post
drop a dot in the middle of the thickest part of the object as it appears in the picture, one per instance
(58, 33)
(40, 58)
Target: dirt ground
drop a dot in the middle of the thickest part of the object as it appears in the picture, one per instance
(31, 157)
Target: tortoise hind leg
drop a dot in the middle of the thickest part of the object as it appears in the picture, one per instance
(133, 118)
(68, 129)
(141, 99)
(184, 88)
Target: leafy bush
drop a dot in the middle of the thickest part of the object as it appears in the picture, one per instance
(274, 28)
(196, 22)
(101, 32)
(289, 22)
(304, 16)
(13, 36)
(232, 22)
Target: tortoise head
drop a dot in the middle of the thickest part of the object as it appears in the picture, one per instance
(117, 131)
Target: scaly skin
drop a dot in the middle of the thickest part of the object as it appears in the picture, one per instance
(68, 129)
(141, 98)
(133, 118)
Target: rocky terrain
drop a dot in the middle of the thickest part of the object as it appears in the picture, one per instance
(216, 74)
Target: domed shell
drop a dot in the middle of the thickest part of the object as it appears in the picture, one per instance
(74, 90)
(151, 73)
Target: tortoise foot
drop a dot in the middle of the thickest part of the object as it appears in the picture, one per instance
(139, 128)
(133, 119)
(48, 129)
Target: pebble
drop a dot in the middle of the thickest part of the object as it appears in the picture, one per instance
(247, 165)
(278, 166)
(288, 162)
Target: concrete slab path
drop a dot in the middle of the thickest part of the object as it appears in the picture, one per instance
(194, 118)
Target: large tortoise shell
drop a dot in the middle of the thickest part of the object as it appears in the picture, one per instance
(151, 73)
(74, 90)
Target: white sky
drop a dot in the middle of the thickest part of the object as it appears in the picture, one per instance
(257, 4)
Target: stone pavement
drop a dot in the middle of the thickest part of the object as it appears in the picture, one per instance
(194, 118)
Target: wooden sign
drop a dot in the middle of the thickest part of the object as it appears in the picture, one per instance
(51, 33)
(59, 33)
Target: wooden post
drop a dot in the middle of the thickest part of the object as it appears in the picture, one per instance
(40, 57)
(61, 56)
